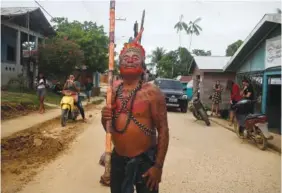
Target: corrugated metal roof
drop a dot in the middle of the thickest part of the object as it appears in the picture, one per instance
(36, 16)
(211, 62)
(11, 11)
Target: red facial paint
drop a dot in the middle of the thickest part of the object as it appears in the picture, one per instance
(131, 71)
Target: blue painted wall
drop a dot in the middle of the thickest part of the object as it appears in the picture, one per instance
(255, 62)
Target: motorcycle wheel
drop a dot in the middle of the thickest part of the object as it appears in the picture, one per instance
(260, 140)
(204, 116)
(64, 117)
(237, 130)
(196, 114)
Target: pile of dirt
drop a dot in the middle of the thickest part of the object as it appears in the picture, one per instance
(12, 110)
(24, 153)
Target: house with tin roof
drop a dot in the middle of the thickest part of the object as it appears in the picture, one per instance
(259, 60)
(18, 26)
(205, 71)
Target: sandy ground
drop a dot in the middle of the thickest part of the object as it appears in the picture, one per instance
(200, 159)
(25, 152)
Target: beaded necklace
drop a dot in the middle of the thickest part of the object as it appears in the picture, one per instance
(131, 96)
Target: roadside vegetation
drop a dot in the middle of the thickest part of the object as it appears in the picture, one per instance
(15, 103)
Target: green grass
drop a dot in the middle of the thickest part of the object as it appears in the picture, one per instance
(97, 102)
(30, 97)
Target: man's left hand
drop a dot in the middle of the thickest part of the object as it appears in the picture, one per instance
(154, 176)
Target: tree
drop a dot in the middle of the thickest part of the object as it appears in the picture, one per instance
(59, 57)
(166, 65)
(185, 60)
(174, 63)
(157, 55)
(180, 26)
(90, 37)
(232, 48)
(193, 28)
(278, 11)
(200, 52)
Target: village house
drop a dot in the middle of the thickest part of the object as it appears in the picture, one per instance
(259, 59)
(205, 71)
(17, 23)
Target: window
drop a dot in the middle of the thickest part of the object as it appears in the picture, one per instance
(169, 84)
(11, 54)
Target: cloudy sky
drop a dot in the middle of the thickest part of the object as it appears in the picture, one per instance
(223, 22)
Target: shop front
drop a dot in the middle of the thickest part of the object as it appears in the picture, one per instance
(259, 60)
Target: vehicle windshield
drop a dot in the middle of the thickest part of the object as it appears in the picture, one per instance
(170, 84)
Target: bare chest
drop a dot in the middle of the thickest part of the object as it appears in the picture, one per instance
(139, 105)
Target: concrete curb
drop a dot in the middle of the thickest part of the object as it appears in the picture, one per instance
(271, 146)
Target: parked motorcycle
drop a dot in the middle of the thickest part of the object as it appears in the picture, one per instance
(198, 110)
(251, 126)
(68, 108)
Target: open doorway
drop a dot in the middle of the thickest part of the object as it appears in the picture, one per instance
(273, 105)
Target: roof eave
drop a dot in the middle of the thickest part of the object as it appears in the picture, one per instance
(51, 30)
(212, 70)
(275, 18)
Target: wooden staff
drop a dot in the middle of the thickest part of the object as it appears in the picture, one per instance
(105, 178)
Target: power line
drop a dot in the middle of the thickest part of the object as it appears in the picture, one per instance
(43, 9)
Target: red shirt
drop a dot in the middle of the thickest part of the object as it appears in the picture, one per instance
(235, 93)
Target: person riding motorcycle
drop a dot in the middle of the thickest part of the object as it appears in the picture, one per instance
(74, 86)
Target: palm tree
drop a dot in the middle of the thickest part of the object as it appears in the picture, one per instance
(193, 28)
(179, 26)
(157, 55)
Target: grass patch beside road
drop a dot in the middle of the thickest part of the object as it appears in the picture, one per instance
(14, 103)
(97, 102)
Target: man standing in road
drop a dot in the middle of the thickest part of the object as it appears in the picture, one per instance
(139, 114)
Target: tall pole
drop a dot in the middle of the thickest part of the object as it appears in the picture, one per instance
(108, 146)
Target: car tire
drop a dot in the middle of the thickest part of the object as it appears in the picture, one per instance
(184, 109)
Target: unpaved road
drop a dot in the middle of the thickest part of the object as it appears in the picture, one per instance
(200, 159)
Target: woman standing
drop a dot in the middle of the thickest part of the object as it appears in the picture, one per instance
(41, 92)
(216, 97)
(234, 97)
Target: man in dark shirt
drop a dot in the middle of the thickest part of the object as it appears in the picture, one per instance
(88, 88)
(248, 93)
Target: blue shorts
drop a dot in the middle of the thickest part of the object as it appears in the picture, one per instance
(41, 92)
(88, 93)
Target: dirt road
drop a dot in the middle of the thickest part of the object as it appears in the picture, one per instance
(200, 159)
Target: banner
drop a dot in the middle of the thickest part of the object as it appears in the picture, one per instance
(273, 52)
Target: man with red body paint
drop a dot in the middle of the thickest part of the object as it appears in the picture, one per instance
(138, 115)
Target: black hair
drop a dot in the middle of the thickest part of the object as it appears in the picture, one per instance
(245, 79)
(229, 84)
